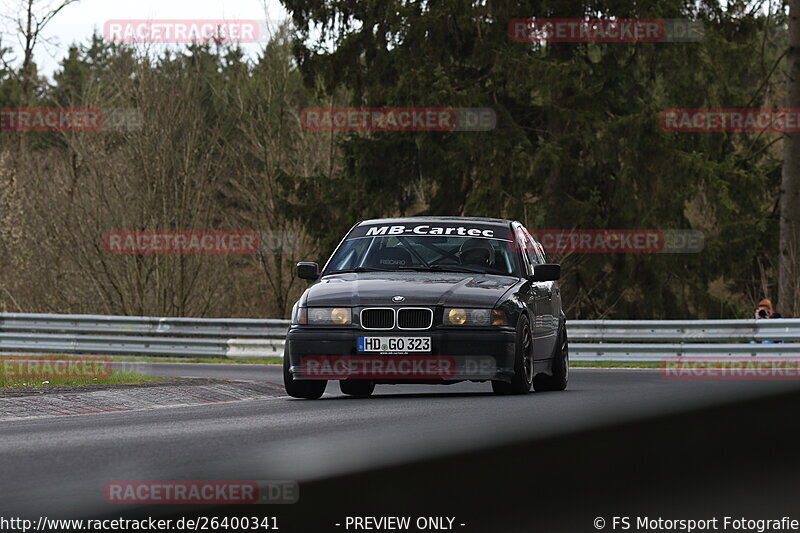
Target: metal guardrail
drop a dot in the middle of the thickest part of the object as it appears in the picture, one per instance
(671, 331)
(590, 340)
(138, 335)
(652, 340)
(657, 352)
(144, 325)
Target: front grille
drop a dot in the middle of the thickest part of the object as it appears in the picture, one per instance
(414, 318)
(379, 318)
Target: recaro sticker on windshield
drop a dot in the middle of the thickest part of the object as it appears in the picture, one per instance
(433, 229)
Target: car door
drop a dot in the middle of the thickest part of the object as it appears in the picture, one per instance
(545, 325)
(534, 293)
(554, 303)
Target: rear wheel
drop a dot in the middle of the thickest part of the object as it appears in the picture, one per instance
(560, 377)
(357, 388)
(523, 362)
(308, 389)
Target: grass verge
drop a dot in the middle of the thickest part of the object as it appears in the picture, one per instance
(215, 360)
(615, 364)
(117, 377)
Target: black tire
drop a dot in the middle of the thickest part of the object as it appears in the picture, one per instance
(523, 362)
(357, 388)
(560, 377)
(308, 389)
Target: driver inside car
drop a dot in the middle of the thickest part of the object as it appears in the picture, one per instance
(476, 252)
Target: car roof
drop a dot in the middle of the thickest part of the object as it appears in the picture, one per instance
(415, 220)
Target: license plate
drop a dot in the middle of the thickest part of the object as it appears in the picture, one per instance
(394, 344)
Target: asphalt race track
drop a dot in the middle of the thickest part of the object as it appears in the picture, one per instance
(592, 444)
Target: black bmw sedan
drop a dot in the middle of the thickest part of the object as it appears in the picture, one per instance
(429, 300)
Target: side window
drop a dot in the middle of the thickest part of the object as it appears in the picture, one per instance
(532, 250)
(528, 247)
(540, 253)
(521, 244)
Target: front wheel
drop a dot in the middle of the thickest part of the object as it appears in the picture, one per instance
(308, 389)
(560, 377)
(523, 362)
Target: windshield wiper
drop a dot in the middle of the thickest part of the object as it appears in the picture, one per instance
(358, 269)
(439, 268)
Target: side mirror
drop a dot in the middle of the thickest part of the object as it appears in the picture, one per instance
(308, 271)
(546, 272)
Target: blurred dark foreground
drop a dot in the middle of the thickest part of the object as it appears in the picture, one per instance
(738, 460)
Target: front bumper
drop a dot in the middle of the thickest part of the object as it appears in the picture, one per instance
(456, 355)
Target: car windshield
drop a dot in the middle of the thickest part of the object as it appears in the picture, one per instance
(425, 253)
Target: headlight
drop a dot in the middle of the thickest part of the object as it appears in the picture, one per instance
(299, 315)
(326, 316)
(454, 316)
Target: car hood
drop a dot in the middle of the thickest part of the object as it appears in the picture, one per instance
(418, 288)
